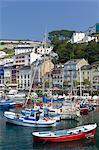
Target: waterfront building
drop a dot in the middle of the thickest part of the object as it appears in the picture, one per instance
(95, 75)
(1, 74)
(57, 75)
(90, 73)
(10, 75)
(36, 73)
(71, 68)
(85, 73)
(24, 77)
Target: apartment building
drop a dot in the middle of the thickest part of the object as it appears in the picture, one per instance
(26, 58)
(71, 68)
(1, 74)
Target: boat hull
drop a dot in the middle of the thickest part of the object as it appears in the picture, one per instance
(6, 106)
(34, 124)
(22, 121)
(63, 138)
(59, 139)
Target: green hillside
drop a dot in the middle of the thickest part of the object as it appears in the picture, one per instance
(66, 50)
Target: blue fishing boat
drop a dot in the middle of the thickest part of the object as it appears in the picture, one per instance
(33, 120)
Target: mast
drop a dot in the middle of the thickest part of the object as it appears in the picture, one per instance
(44, 63)
(50, 79)
(80, 82)
(32, 80)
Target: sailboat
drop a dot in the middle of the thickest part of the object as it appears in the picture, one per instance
(31, 117)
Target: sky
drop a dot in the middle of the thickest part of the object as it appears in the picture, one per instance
(29, 19)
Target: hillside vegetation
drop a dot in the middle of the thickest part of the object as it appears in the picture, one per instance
(66, 50)
(9, 52)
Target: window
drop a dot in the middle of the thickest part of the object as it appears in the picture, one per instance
(28, 83)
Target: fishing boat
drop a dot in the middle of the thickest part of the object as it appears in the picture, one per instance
(77, 133)
(45, 113)
(33, 120)
(6, 104)
(15, 95)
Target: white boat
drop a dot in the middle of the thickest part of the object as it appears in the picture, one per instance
(14, 94)
(26, 120)
(45, 112)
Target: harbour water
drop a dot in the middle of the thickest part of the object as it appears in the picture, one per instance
(20, 138)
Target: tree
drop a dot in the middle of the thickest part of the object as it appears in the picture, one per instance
(2, 43)
(47, 83)
(86, 82)
(60, 35)
(75, 83)
(67, 51)
(65, 84)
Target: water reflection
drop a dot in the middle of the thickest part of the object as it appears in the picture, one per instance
(20, 138)
(78, 145)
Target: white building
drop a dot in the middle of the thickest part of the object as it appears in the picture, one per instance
(77, 36)
(7, 75)
(4, 61)
(93, 29)
(23, 48)
(33, 47)
(2, 54)
(87, 39)
(42, 50)
(24, 77)
(80, 37)
(26, 58)
(11, 44)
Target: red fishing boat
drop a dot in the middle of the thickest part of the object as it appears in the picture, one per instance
(77, 133)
